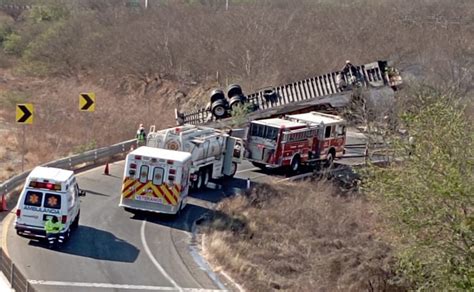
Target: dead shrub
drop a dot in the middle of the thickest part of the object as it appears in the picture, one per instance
(304, 237)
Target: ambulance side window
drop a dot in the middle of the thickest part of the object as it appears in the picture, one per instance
(158, 176)
(52, 201)
(143, 174)
(33, 198)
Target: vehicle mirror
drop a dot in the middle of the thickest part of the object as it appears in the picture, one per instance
(82, 193)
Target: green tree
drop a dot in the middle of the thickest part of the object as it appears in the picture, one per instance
(427, 196)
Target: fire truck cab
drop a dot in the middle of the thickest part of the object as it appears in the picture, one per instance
(295, 140)
(156, 180)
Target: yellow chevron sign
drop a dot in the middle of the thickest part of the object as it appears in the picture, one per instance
(24, 113)
(87, 101)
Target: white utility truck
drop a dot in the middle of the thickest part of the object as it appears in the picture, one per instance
(156, 180)
(214, 153)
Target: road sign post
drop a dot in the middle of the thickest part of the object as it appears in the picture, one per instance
(24, 115)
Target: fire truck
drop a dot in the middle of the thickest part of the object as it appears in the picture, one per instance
(295, 140)
(214, 153)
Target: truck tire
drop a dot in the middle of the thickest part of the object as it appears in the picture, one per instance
(235, 100)
(75, 223)
(269, 95)
(206, 173)
(219, 108)
(216, 95)
(198, 183)
(295, 164)
(259, 165)
(234, 170)
(233, 90)
(330, 159)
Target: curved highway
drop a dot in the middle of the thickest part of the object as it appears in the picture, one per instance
(120, 251)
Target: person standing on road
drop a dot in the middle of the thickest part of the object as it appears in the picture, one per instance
(141, 136)
(52, 228)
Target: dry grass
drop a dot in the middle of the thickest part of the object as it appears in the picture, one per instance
(299, 237)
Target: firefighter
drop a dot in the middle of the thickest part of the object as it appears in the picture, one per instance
(141, 136)
(52, 228)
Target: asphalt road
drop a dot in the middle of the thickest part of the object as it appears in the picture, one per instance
(120, 251)
(113, 249)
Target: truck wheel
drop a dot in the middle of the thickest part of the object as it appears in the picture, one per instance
(206, 176)
(329, 159)
(233, 170)
(237, 99)
(75, 223)
(269, 95)
(233, 90)
(295, 164)
(199, 181)
(216, 95)
(259, 165)
(218, 108)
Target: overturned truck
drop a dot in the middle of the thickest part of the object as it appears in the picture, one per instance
(324, 92)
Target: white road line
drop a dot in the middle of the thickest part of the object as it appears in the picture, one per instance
(153, 259)
(116, 286)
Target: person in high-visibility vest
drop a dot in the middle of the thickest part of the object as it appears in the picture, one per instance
(52, 228)
(141, 136)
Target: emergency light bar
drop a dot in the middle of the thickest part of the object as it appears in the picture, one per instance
(45, 185)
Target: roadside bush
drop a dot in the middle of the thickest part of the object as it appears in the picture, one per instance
(427, 198)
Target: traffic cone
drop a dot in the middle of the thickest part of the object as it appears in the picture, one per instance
(106, 170)
(4, 203)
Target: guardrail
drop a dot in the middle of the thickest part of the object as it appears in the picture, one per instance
(19, 282)
(311, 88)
(72, 163)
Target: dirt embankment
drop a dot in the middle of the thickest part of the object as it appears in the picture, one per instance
(60, 129)
(299, 237)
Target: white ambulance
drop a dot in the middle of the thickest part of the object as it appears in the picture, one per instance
(156, 180)
(48, 192)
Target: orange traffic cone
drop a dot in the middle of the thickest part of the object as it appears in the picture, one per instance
(106, 170)
(4, 203)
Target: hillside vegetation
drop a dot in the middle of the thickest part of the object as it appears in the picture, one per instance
(144, 62)
(410, 229)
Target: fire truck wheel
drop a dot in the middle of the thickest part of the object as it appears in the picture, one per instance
(295, 163)
(329, 159)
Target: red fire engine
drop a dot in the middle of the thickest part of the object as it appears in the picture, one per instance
(295, 140)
